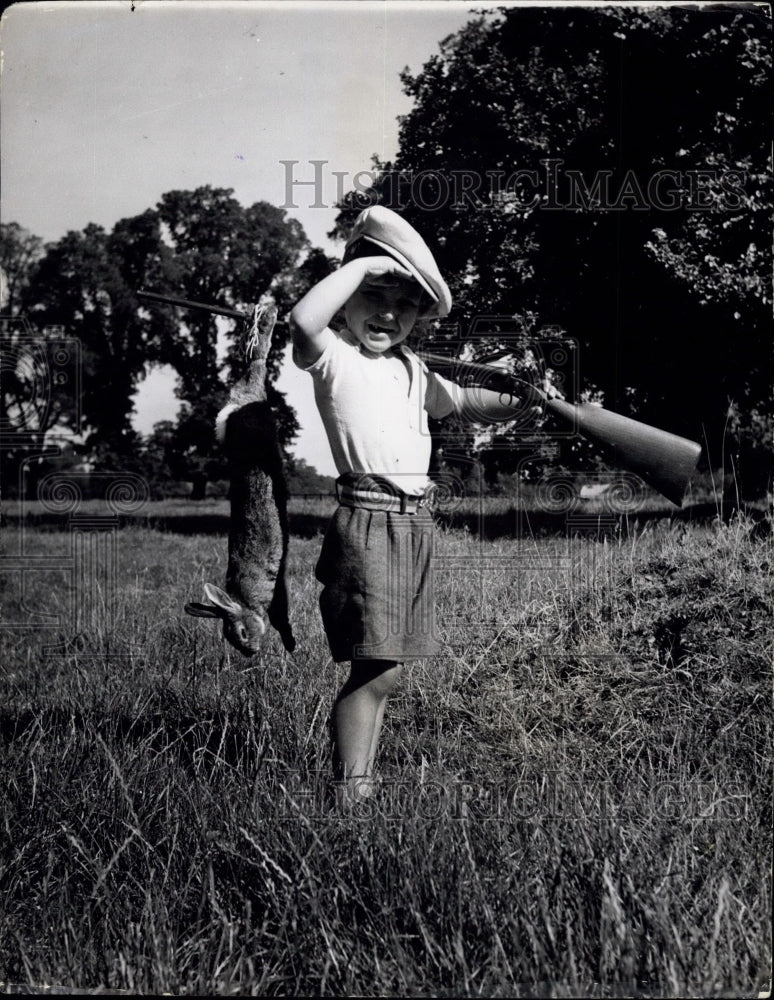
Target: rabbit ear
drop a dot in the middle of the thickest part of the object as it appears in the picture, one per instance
(202, 610)
(222, 600)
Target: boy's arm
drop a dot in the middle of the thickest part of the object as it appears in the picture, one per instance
(488, 406)
(310, 317)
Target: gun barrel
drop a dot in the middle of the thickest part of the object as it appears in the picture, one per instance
(664, 460)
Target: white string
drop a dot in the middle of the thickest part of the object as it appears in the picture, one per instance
(253, 338)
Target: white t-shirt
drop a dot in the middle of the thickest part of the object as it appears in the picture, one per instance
(375, 409)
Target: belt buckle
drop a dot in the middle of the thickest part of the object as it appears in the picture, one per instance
(403, 503)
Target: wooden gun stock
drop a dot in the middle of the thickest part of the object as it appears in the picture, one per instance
(665, 461)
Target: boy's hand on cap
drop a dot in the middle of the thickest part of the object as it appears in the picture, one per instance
(383, 266)
(384, 229)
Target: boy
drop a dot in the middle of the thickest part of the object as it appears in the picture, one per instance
(374, 396)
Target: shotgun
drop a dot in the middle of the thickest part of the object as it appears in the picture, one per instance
(665, 461)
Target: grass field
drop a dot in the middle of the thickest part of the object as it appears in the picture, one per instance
(576, 797)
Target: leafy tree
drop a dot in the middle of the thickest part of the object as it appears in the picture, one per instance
(201, 245)
(156, 457)
(304, 478)
(80, 286)
(533, 160)
(191, 452)
(37, 401)
(19, 252)
(224, 254)
(189, 446)
(37, 374)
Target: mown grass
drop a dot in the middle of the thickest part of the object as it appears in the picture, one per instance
(576, 796)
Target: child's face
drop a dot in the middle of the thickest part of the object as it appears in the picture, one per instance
(382, 312)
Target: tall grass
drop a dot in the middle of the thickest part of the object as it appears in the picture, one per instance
(575, 800)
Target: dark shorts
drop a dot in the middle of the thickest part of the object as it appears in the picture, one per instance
(377, 601)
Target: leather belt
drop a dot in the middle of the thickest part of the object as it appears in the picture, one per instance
(375, 494)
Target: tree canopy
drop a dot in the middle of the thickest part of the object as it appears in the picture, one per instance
(603, 173)
(201, 245)
(19, 251)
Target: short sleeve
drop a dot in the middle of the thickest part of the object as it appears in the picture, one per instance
(330, 342)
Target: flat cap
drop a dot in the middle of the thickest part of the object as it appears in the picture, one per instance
(398, 238)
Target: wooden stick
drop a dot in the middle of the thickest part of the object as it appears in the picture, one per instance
(173, 300)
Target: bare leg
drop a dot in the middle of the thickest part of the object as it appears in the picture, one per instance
(357, 719)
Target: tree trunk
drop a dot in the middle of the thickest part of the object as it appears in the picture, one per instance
(32, 475)
(199, 485)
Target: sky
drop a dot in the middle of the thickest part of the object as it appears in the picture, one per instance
(105, 106)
